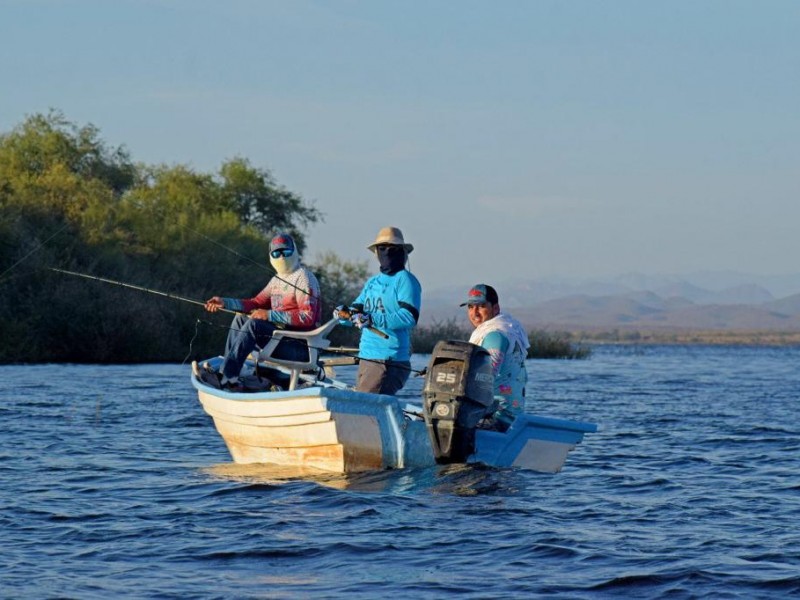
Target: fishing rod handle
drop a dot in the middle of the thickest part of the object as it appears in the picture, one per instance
(346, 313)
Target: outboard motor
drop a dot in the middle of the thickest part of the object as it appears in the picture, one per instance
(458, 393)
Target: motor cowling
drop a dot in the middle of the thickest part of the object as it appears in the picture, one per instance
(458, 393)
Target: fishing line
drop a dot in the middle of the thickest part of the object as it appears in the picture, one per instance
(224, 247)
(191, 341)
(269, 270)
(38, 247)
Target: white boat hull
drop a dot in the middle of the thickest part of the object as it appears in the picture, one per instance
(344, 431)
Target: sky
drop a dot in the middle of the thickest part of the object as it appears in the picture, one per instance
(512, 139)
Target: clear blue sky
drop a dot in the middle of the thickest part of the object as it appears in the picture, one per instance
(507, 139)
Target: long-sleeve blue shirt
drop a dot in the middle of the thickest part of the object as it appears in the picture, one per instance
(393, 302)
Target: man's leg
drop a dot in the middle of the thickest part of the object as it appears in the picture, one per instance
(370, 376)
(397, 374)
(237, 325)
(381, 378)
(255, 332)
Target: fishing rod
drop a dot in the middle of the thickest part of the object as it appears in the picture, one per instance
(160, 293)
(165, 294)
(137, 287)
(190, 301)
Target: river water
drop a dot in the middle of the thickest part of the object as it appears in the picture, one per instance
(114, 483)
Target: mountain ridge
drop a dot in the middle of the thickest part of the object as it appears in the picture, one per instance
(633, 303)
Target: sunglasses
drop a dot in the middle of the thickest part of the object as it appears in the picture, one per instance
(283, 252)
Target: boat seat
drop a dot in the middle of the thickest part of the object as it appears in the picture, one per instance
(315, 340)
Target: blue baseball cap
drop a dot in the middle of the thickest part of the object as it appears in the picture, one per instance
(480, 294)
(282, 241)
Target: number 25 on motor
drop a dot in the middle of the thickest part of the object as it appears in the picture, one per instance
(445, 378)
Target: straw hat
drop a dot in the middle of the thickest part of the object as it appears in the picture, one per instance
(390, 235)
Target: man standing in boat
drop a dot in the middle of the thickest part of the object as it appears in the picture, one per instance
(507, 343)
(290, 300)
(389, 302)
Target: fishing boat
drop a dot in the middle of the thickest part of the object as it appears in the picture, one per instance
(296, 413)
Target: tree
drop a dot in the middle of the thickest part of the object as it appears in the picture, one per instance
(51, 164)
(259, 201)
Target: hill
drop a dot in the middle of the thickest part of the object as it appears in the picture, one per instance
(665, 305)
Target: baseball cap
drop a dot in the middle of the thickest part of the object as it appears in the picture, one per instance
(480, 293)
(282, 241)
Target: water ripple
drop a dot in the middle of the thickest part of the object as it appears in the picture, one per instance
(115, 484)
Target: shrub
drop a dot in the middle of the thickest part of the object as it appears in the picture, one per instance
(555, 345)
(423, 339)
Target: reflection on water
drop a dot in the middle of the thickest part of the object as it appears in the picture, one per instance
(275, 474)
(456, 480)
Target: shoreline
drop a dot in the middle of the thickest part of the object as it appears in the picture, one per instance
(687, 337)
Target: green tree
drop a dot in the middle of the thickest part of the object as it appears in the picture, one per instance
(50, 165)
(259, 201)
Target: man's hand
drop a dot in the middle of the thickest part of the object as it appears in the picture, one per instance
(361, 320)
(262, 314)
(214, 304)
(341, 312)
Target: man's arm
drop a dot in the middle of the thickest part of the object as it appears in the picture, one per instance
(409, 299)
(497, 345)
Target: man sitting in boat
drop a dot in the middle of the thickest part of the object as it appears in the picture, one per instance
(389, 302)
(507, 343)
(290, 300)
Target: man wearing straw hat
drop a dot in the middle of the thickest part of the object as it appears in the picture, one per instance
(389, 302)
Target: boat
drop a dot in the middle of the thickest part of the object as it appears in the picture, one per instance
(297, 414)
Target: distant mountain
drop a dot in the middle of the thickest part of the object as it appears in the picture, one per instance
(740, 294)
(748, 293)
(666, 302)
(649, 312)
(778, 286)
(789, 305)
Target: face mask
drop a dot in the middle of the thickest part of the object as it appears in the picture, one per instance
(391, 258)
(284, 265)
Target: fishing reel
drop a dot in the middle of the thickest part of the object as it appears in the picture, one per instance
(346, 312)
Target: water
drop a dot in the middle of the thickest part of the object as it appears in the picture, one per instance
(114, 483)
